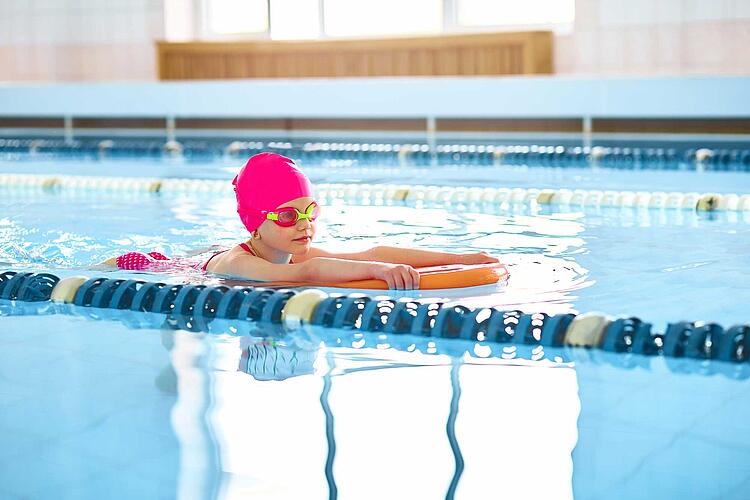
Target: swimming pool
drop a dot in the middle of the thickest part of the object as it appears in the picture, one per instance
(134, 403)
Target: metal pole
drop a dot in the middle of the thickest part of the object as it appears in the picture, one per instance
(68, 129)
(432, 139)
(587, 131)
(171, 129)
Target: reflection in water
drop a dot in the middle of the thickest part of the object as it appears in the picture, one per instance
(351, 413)
(408, 412)
(330, 438)
(451, 428)
(317, 419)
(271, 359)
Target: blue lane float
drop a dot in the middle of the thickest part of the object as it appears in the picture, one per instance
(195, 306)
(350, 153)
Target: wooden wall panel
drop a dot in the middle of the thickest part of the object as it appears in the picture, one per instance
(297, 124)
(416, 124)
(121, 123)
(522, 53)
(509, 125)
(31, 122)
(672, 126)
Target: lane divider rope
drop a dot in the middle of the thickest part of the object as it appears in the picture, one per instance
(293, 309)
(404, 193)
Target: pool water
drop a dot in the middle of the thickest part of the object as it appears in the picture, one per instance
(135, 405)
(614, 260)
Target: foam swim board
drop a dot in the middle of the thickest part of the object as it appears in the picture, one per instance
(430, 278)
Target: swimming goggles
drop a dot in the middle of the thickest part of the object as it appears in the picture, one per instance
(289, 216)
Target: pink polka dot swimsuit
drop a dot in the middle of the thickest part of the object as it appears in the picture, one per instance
(155, 261)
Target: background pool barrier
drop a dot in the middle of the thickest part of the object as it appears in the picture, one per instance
(727, 157)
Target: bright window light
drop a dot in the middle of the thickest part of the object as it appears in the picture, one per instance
(382, 17)
(514, 12)
(295, 19)
(229, 17)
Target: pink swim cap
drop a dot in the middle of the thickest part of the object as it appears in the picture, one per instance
(266, 181)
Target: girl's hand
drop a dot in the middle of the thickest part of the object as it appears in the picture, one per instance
(397, 276)
(477, 258)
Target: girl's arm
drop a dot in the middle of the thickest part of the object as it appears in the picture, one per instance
(408, 256)
(320, 270)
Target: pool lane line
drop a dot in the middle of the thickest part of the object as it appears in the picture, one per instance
(676, 200)
(293, 309)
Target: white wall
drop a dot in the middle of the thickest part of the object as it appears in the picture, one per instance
(74, 40)
(657, 37)
(105, 40)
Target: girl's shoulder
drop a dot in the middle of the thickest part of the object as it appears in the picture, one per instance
(221, 261)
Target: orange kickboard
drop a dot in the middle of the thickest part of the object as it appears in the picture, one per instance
(430, 278)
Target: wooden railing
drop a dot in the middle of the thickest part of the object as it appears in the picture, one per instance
(521, 53)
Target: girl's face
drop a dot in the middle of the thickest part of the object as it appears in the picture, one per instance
(295, 239)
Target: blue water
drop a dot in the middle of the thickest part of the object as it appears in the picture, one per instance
(133, 405)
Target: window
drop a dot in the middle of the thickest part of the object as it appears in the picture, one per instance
(295, 19)
(236, 17)
(311, 19)
(471, 13)
(382, 17)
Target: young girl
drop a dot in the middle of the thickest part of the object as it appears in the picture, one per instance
(275, 203)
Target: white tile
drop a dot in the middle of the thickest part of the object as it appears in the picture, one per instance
(61, 30)
(586, 51)
(22, 66)
(156, 30)
(46, 6)
(640, 12)
(703, 44)
(120, 28)
(736, 37)
(14, 7)
(42, 61)
(78, 27)
(564, 57)
(133, 5)
(144, 63)
(20, 30)
(49, 29)
(612, 12)
(587, 13)
(5, 38)
(669, 47)
(611, 49)
(155, 24)
(109, 27)
(669, 11)
(702, 10)
(4, 13)
(738, 9)
(138, 27)
(640, 48)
